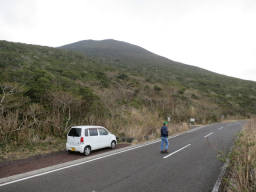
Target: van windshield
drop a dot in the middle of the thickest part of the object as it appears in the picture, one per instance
(75, 132)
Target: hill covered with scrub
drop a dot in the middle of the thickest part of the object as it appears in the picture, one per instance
(43, 91)
(232, 96)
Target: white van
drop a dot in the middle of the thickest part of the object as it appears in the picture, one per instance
(85, 139)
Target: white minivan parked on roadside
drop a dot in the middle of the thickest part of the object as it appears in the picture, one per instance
(85, 139)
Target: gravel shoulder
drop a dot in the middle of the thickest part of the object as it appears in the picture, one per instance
(10, 168)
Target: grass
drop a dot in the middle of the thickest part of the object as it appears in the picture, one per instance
(14, 152)
(241, 175)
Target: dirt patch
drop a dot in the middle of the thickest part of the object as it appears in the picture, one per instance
(9, 168)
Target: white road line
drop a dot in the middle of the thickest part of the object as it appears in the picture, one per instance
(177, 151)
(208, 135)
(84, 162)
(220, 128)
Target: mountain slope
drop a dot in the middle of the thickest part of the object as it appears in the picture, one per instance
(136, 59)
(43, 91)
(226, 91)
(118, 53)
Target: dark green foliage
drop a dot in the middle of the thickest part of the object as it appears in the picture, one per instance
(193, 96)
(88, 96)
(91, 103)
(181, 91)
(103, 79)
(157, 88)
(122, 76)
(40, 83)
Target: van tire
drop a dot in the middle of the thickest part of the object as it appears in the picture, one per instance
(87, 150)
(113, 145)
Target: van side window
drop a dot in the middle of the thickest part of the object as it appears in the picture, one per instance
(93, 131)
(102, 131)
(86, 132)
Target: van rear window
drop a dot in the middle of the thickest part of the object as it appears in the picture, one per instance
(75, 132)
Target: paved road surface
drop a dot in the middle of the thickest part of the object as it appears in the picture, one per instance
(190, 166)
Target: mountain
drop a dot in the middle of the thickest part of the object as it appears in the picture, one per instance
(118, 53)
(44, 90)
(109, 48)
(132, 58)
(227, 92)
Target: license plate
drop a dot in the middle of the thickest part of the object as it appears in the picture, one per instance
(73, 148)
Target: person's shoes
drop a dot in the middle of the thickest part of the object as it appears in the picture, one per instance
(165, 151)
(161, 151)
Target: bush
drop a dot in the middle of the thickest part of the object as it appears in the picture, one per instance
(157, 88)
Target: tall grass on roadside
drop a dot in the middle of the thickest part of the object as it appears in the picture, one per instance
(141, 125)
(242, 168)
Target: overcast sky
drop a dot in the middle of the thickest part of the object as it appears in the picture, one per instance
(218, 35)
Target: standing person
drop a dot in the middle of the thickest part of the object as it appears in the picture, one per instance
(164, 138)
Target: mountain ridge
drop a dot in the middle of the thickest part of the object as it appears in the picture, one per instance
(97, 46)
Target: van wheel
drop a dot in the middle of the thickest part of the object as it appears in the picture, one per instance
(113, 145)
(87, 151)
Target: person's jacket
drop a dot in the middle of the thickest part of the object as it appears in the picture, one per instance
(164, 131)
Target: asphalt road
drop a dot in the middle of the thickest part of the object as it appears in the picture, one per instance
(190, 166)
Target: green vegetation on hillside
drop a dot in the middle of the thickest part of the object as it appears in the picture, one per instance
(233, 96)
(43, 91)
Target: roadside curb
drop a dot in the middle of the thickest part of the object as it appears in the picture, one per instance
(219, 180)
